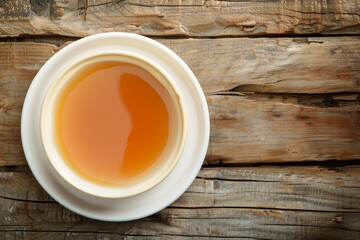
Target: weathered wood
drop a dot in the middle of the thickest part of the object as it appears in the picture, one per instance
(275, 99)
(271, 129)
(19, 63)
(14, 10)
(196, 223)
(256, 202)
(173, 18)
(290, 188)
(276, 65)
(264, 126)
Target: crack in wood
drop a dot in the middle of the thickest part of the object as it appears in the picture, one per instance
(57, 37)
(24, 168)
(268, 209)
(27, 200)
(147, 235)
(310, 225)
(148, 5)
(332, 164)
(237, 180)
(325, 100)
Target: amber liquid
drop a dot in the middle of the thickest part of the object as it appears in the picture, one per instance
(112, 122)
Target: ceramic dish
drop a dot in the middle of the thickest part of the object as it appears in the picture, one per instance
(170, 154)
(143, 204)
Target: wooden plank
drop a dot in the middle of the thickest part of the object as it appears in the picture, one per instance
(197, 223)
(291, 188)
(277, 65)
(279, 122)
(195, 18)
(271, 129)
(249, 202)
(19, 63)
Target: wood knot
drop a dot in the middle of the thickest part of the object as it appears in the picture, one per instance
(3, 103)
(338, 219)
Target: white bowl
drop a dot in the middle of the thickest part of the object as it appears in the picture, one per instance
(177, 124)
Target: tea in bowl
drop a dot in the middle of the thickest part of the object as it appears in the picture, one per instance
(113, 124)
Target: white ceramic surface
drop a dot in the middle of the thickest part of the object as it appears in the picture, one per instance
(149, 202)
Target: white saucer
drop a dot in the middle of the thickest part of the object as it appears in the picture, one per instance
(141, 205)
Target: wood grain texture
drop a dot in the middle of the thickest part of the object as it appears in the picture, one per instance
(284, 106)
(19, 64)
(195, 18)
(271, 129)
(254, 202)
(270, 100)
(277, 65)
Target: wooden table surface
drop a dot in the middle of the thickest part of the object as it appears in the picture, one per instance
(282, 81)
